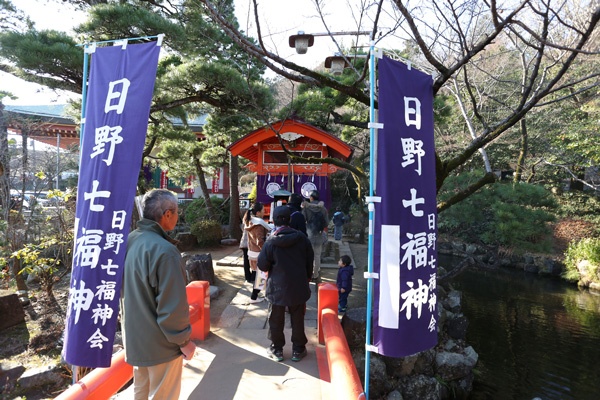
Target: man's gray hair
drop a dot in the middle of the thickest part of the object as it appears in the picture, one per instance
(156, 202)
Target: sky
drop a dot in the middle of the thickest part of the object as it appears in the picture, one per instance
(46, 15)
(279, 20)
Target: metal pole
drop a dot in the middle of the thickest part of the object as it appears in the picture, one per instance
(290, 175)
(341, 33)
(83, 96)
(58, 161)
(371, 215)
(119, 40)
(83, 102)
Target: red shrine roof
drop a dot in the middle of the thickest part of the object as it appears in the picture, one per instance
(44, 123)
(298, 132)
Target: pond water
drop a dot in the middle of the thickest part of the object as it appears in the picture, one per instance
(535, 336)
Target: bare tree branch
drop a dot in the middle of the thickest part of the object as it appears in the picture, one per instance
(306, 75)
(495, 131)
(488, 178)
(568, 169)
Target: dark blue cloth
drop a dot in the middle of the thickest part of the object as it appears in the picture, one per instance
(405, 222)
(338, 221)
(344, 278)
(338, 218)
(287, 256)
(343, 301)
(337, 232)
(121, 84)
(297, 220)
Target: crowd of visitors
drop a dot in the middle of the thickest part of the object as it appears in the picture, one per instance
(280, 259)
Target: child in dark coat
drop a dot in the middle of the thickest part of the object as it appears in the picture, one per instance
(344, 281)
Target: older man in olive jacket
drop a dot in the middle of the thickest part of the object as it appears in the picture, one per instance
(288, 258)
(154, 309)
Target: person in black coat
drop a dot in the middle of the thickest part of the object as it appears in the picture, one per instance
(297, 219)
(287, 256)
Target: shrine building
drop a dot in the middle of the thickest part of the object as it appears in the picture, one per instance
(275, 172)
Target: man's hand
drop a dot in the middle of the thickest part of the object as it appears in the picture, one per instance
(343, 290)
(188, 350)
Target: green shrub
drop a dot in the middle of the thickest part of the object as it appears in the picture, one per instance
(44, 258)
(196, 211)
(355, 225)
(585, 250)
(207, 232)
(501, 214)
(182, 212)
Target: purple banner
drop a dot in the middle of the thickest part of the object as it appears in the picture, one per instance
(405, 255)
(303, 185)
(118, 105)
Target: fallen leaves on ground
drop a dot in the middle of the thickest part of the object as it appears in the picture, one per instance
(568, 230)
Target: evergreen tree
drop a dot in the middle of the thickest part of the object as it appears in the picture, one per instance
(204, 70)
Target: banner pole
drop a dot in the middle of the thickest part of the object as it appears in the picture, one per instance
(83, 98)
(86, 62)
(371, 217)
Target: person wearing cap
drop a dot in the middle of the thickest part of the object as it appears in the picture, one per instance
(297, 220)
(287, 256)
(338, 222)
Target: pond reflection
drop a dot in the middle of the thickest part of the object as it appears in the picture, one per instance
(536, 336)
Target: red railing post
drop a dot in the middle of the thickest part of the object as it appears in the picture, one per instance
(101, 383)
(327, 298)
(343, 373)
(198, 294)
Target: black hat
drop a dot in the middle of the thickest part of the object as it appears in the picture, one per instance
(295, 199)
(282, 211)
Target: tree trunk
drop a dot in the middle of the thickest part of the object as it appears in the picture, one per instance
(234, 198)
(4, 167)
(522, 124)
(25, 152)
(523, 152)
(209, 206)
(24, 179)
(12, 235)
(16, 242)
(472, 132)
(19, 279)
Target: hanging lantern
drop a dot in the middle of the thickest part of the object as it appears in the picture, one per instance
(336, 64)
(301, 42)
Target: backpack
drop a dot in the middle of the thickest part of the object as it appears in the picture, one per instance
(320, 218)
(317, 222)
(338, 218)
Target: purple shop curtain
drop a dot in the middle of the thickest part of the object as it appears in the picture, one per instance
(118, 105)
(405, 255)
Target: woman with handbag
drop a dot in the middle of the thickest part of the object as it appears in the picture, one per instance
(258, 231)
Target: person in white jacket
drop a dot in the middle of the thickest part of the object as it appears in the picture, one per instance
(258, 230)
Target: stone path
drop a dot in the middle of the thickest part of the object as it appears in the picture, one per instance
(232, 362)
